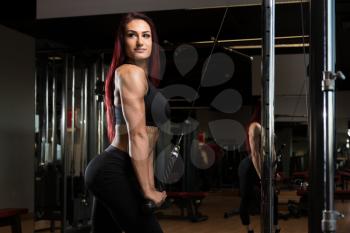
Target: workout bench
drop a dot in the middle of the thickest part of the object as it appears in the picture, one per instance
(12, 217)
(345, 178)
(299, 177)
(189, 201)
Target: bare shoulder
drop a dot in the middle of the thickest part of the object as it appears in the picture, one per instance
(254, 128)
(129, 71)
(255, 125)
(131, 77)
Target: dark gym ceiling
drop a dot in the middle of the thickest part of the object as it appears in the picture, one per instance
(96, 33)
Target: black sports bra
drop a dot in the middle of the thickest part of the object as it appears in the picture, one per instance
(156, 107)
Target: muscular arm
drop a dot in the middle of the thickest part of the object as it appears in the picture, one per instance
(132, 87)
(151, 170)
(254, 134)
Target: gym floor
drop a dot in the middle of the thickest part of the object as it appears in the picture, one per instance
(217, 203)
(214, 206)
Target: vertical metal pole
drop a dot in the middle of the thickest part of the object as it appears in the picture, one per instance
(72, 167)
(47, 111)
(268, 91)
(43, 125)
(53, 117)
(322, 60)
(328, 88)
(329, 215)
(98, 109)
(85, 124)
(82, 123)
(36, 103)
(93, 121)
(64, 142)
(36, 92)
(328, 221)
(317, 62)
(37, 116)
(102, 118)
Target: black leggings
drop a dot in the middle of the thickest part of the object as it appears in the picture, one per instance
(249, 188)
(117, 197)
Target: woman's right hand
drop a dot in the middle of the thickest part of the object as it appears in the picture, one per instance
(157, 197)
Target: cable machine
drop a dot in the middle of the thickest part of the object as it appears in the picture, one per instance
(322, 86)
(69, 109)
(268, 120)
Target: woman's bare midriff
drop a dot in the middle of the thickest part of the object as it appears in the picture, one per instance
(121, 141)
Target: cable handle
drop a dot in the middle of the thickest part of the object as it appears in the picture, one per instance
(149, 206)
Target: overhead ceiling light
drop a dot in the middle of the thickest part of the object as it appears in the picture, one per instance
(297, 41)
(253, 3)
(277, 38)
(276, 46)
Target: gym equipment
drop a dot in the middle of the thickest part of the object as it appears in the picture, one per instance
(298, 209)
(11, 216)
(181, 192)
(149, 206)
(344, 178)
(186, 198)
(70, 128)
(189, 202)
(268, 114)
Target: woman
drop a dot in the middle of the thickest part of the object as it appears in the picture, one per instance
(122, 177)
(249, 172)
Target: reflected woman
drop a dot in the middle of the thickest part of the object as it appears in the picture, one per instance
(249, 173)
(122, 176)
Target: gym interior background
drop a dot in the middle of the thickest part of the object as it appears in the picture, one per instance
(53, 58)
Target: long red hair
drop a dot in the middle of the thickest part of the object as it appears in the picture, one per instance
(119, 58)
